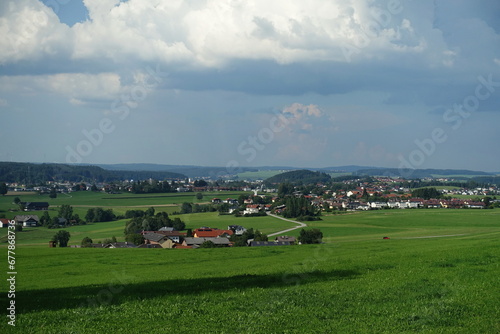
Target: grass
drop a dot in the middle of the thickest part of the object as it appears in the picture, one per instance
(456, 176)
(88, 199)
(377, 286)
(441, 187)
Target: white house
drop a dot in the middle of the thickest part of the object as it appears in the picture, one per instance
(253, 208)
(238, 229)
(378, 205)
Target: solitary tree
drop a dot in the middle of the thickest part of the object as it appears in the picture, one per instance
(313, 236)
(45, 220)
(178, 224)
(135, 238)
(186, 208)
(110, 241)
(150, 212)
(199, 196)
(3, 189)
(61, 238)
(53, 193)
(259, 236)
(86, 242)
(66, 211)
(208, 244)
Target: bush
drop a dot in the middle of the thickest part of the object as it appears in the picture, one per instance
(208, 244)
(62, 238)
(313, 236)
(307, 218)
(135, 238)
(86, 242)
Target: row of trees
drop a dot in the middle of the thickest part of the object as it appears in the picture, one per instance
(313, 236)
(153, 223)
(426, 193)
(300, 207)
(65, 217)
(96, 215)
(153, 186)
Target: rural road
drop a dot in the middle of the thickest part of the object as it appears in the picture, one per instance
(300, 225)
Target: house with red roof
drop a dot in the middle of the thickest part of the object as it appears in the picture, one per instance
(207, 232)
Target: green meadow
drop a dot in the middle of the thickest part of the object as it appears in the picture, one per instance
(120, 203)
(438, 273)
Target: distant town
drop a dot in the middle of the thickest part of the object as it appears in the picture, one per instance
(286, 195)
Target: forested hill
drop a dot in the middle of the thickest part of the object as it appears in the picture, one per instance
(31, 173)
(303, 176)
(418, 173)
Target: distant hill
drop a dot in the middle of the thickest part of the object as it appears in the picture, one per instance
(42, 172)
(188, 170)
(344, 169)
(205, 171)
(418, 173)
(32, 173)
(302, 176)
(487, 180)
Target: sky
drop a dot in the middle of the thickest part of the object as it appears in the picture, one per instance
(402, 84)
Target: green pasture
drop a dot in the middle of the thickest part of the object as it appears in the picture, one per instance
(441, 187)
(88, 198)
(358, 285)
(346, 227)
(120, 203)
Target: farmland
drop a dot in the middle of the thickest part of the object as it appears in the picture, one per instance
(438, 272)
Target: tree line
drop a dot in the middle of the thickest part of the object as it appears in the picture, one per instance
(32, 174)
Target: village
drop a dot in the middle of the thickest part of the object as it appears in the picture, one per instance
(382, 194)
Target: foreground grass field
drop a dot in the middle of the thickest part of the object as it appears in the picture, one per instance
(446, 285)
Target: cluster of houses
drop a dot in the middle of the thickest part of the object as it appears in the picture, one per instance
(167, 237)
(29, 221)
(412, 203)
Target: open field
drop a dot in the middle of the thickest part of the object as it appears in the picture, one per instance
(441, 187)
(355, 283)
(456, 176)
(93, 199)
(120, 203)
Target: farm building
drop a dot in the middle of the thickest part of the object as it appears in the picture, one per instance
(27, 220)
(35, 206)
